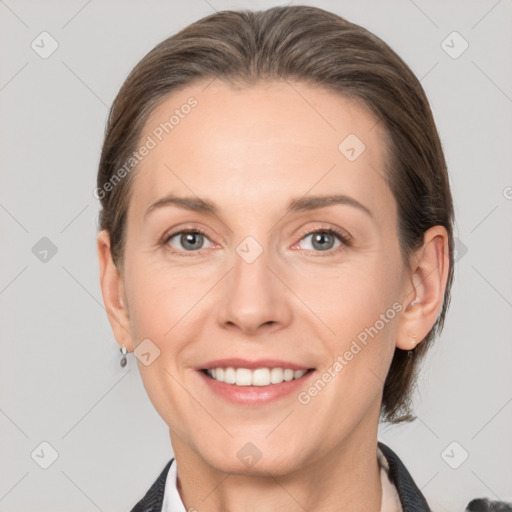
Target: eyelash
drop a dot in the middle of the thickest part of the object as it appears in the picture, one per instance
(342, 236)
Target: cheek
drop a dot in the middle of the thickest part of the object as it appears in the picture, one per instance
(362, 309)
(162, 310)
(351, 296)
(157, 298)
(358, 303)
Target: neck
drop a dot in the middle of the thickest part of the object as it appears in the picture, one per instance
(346, 478)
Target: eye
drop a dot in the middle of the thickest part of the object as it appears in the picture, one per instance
(324, 240)
(193, 240)
(190, 240)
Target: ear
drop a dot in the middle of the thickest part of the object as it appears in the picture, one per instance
(112, 289)
(423, 298)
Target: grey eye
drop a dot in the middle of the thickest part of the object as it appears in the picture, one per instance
(188, 240)
(322, 240)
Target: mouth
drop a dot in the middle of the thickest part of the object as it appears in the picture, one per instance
(255, 387)
(254, 382)
(261, 377)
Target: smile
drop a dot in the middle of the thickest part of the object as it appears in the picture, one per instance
(257, 377)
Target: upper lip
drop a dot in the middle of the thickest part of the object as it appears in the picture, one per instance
(252, 365)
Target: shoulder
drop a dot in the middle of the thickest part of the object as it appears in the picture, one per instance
(411, 498)
(153, 499)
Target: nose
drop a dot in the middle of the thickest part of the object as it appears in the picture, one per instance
(254, 297)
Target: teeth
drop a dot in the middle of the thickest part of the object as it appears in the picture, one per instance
(259, 377)
(229, 376)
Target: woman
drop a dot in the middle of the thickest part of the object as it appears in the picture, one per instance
(276, 247)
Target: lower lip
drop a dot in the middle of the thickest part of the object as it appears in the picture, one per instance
(255, 395)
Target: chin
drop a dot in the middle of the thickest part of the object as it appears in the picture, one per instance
(251, 459)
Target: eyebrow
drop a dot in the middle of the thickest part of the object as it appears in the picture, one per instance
(305, 203)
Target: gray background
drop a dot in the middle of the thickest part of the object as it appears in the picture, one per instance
(60, 377)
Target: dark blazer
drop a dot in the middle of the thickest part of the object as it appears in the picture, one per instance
(410, 496)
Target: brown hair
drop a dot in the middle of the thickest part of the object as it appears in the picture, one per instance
(319, 48)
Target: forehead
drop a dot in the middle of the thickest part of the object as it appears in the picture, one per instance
(250, 145)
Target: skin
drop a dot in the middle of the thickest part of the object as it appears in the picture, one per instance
(251, 150)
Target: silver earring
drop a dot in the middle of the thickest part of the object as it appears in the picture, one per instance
(413, 343)
(123, 359)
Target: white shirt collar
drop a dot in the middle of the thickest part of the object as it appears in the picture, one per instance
(390, 500)
(172, 500)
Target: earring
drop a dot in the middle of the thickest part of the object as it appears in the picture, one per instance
(123, 359)
(413, 343)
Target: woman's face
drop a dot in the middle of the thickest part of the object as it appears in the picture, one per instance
(260, 280)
